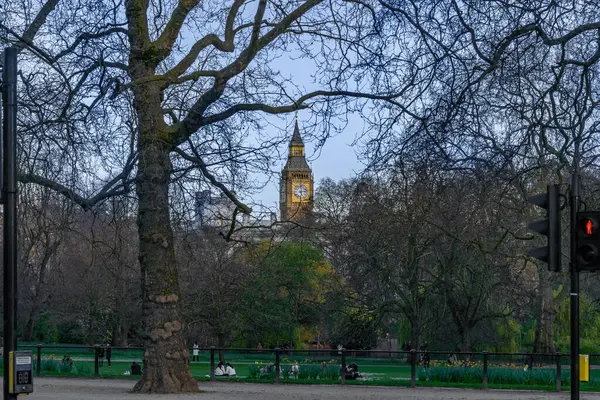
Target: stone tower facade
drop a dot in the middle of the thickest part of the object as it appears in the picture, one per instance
(296, 187)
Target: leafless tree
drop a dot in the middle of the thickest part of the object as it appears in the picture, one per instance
(45, 221)
(214, 276)
(121, 96)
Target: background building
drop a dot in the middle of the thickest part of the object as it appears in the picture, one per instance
(296, 188)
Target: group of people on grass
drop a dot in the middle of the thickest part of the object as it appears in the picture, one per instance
(352, 371)
(67, 361)
(104, 350)
(224, 369)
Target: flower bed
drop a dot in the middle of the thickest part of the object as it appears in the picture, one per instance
(496, 375)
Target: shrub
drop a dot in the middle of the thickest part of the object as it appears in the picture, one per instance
(65, 368)
(332, 372)
(81, 368)
(285, 372)
(49, 364)
(536, 376)
(451, 374)
(255, 373)
(309, 371)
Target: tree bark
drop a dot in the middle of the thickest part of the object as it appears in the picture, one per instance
(33, 315)
(415, 332)
(221, 345)
(166, 355)
(120, 332)
(544, 330)
(465, 335)
(121, 324)
(39, 298)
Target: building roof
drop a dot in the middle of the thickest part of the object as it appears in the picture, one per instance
(296, 138)
(295, 163)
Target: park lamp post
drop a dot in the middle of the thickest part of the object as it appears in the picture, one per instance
(8, 185)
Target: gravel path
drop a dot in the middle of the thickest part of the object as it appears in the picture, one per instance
(112, 389)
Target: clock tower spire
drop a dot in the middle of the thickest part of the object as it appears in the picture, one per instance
(296, 184)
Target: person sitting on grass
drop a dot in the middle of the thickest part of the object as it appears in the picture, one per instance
(352, 371)
(229, 370)
(295, 368)
(269, 369)
(136, 369)
(67, 361)
(220, 370)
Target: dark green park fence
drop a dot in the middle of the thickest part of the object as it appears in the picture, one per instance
(549, 361)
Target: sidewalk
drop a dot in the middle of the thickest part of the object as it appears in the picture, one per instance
(113, 389)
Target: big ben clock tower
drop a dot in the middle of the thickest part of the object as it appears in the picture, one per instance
(296, 185)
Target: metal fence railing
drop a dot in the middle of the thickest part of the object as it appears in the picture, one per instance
(339, 357)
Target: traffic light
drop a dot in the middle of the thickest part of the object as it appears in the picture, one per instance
(549, 227)
(588, 240)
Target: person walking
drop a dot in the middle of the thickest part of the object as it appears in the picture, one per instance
(100, 355)
(195, 350)
(108, 353)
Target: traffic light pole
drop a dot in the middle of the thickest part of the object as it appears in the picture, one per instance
(574, 293)
(9, 199)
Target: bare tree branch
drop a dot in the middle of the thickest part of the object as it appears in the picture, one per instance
(202, 166)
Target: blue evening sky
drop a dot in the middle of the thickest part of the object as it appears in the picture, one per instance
(336, 159)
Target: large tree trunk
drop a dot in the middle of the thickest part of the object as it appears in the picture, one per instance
(221, 345)
(166, 355)
(544, 330)
(465, 336)
(415, 332)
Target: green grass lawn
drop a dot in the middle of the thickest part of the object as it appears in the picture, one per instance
(384, 371)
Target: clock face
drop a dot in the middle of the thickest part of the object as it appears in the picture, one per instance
(301, 192)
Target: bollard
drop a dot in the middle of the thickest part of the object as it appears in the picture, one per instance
(485, 370)
(413, 368)
(39, 361)
(277, 350)
(558, 373)
(212, 363)
(96, 365)
(343, 368)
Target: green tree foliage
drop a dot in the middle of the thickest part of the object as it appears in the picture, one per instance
(589, 325)
(290, 288)
(354, 328)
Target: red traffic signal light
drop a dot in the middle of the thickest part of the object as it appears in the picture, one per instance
(589, 226)
(588, 241)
